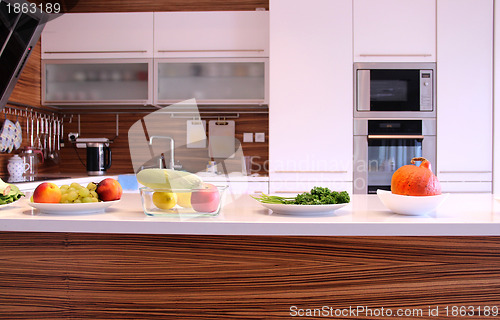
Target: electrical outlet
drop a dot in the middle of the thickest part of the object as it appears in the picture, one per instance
(247, 137)
(260, 137)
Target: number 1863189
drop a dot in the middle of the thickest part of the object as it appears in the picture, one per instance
(33, 7)
(469, 311)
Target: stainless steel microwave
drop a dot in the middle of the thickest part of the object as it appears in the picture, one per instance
(394, 89)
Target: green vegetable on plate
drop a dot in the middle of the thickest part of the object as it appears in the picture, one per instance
(9, 193)
(317, 196)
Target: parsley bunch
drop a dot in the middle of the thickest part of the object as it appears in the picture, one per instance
(317, 195)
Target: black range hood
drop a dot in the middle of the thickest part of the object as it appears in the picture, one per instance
(19, 32)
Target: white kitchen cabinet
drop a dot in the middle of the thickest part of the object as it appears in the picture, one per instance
(311, 85)
(98, 35)
(464, 94)
(211, 34)
(394, 30)
(242, 187)
(496, 99)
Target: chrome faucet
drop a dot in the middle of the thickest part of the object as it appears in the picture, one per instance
(171, 165)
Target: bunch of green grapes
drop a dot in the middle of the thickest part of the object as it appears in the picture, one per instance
(76, 193)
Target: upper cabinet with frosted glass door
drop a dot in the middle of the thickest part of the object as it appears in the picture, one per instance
(156, 58)
(215, 57)
(98, 58)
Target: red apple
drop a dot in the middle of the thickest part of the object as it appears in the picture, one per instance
(109, 189)
(205, 198)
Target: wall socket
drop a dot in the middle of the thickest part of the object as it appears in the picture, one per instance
(260, 137)
(247, 137)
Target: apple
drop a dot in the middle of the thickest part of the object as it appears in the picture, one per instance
(109, 189)
(47, 192)
(164, 200)
(206, 198)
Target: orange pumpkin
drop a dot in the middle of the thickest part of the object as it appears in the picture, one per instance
(411, 180)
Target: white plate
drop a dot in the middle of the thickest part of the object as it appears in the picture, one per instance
(409, 205)
(8, 204)
(303, 209)
(72, 208)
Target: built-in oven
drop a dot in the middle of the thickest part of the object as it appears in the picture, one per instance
(383, 145)
(394, 89)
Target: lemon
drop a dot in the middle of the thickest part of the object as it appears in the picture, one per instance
(164, 200)
(184, 199)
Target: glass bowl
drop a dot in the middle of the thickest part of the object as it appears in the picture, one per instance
(164, 202)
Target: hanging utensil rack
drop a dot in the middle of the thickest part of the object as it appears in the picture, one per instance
(213, 112)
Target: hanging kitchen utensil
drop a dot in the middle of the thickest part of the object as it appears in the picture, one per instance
(7, 135)
(45, 136)
(27, 126)
(32, 131)
(38, 140)
(221, 142)
(57, 146)
(18, 139)
(49, 140)
(61, 134)
(196, 136)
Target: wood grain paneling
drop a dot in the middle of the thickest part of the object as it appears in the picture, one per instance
(27, 91)
(97, 276)
(28, 87)
(193, 160)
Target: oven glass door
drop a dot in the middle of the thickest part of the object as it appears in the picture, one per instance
(385, 155)
(390, 90)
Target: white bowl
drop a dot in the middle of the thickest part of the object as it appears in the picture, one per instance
(410, 205)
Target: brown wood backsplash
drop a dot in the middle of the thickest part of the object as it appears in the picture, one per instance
(27, 91)
(193, 160)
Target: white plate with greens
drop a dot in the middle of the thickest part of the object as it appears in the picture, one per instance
(9, 194)
(303, 209)
(319, 201)
(2, 205)
(72, 208)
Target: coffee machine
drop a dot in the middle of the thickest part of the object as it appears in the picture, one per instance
(98, 154)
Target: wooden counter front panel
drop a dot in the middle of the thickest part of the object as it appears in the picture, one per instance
(96, 276)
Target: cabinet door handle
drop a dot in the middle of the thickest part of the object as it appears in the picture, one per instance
(285, 171)
(395, 136)
(97, 51)
(465, 172)
(395, 55)
(221, 50)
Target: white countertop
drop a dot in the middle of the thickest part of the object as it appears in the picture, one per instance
(459, 215)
